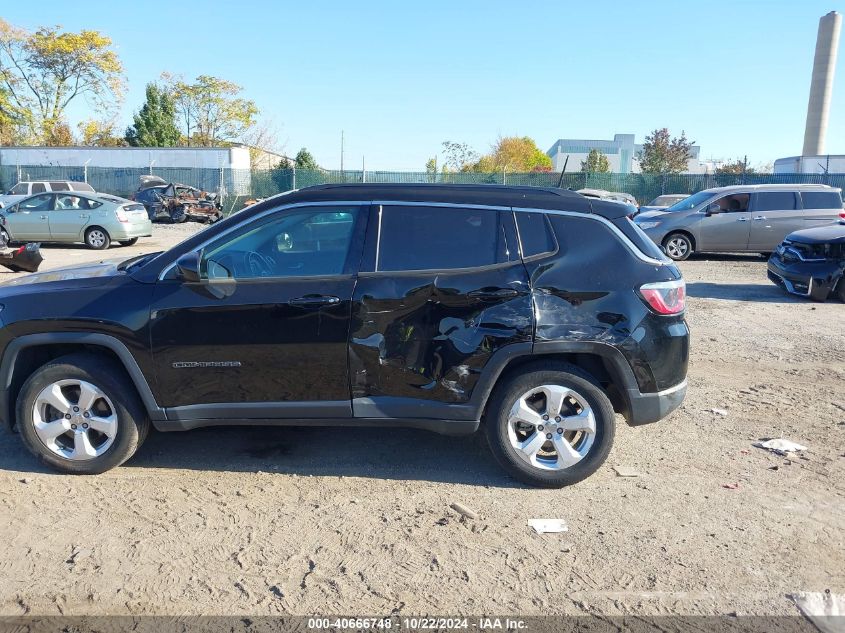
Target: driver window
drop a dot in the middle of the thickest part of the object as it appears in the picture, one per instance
(297, 244)
(734, 203)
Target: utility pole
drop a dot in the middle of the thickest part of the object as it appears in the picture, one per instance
(363, 170)
(341, 151)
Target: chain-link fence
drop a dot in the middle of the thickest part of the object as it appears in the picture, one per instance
(239, 185)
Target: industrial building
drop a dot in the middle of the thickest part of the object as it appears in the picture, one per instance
(621, 154)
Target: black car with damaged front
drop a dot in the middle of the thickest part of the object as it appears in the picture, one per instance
(535, 314)
(811, 263)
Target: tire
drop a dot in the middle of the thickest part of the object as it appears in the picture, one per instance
(5, 240)
(97, 238)
(839, 291)
(679, 244)
(547, 469)
(131, 242)
(178, 215)
(118, 401)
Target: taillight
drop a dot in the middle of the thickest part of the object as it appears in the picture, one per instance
(665, 297)
(121, 215)
(842, 215)
(20, 250)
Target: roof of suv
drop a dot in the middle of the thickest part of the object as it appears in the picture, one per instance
(772, 187)
(492, 195)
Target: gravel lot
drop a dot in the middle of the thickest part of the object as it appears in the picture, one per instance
(316, 521)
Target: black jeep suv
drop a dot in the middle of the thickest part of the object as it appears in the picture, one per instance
(535, 313)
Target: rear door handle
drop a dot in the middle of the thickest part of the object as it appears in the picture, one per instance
(493, 293)
(742, 219)
(760, 217)
(314, 301)
(43, 217)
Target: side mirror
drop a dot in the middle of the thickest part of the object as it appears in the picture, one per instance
(712, 208)
(188, 267)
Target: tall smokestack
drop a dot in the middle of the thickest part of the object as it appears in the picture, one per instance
(821, 86)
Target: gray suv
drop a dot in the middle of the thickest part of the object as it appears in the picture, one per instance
(743, 218)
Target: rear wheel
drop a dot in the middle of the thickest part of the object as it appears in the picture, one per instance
(550, 427)
(80, 414)
(131, 242)
(839, 292)
(678, 246)
(97, 238)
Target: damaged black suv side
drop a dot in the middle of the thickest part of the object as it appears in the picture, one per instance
(535, 314)
(811, 263)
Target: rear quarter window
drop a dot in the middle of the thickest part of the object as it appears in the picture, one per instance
(821, 199)
(535, 234)
(59, 186)
(81, 186)
(38, 187)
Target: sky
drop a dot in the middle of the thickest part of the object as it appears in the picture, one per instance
(399, 78)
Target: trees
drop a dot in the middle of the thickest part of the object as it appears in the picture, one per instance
(155, 123)
(596, 163)
(514, 154)
(431, 170)
(662, 154)
(43, 72)
(304, 160)
(737, 167)
(210, 110)
(458, 156)
(100, 133)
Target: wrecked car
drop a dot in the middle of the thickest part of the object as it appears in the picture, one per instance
(24, 259)
(811, 263)
(176, 201)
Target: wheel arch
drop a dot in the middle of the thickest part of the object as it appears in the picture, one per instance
(604, 363)
(26, 354)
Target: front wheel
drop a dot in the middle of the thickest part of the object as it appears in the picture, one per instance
(550, 427)
(97, 238)
(678, 246)
(80, 414)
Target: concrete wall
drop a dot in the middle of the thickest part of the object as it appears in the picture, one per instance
(128, 157)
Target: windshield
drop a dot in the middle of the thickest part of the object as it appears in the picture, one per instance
(690, 203)
(665, 201)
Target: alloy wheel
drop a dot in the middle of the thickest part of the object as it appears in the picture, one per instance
(74, 419)
(677, 247)
(96, 238)
(551, 427)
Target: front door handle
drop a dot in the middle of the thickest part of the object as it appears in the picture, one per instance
(43, 217)
(493, 293)
(760, 217)
(742, 219)
(314, 301)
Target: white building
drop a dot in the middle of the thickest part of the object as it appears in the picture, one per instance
(621, 153)
(826, 164)
(116, 169)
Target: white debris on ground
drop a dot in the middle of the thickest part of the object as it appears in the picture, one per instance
(548, 526)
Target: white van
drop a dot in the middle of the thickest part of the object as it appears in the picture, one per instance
(29, 187)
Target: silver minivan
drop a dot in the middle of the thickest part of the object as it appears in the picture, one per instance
(742, 218)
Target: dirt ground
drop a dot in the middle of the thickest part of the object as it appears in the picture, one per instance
(326, 521)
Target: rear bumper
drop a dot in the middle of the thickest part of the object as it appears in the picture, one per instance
(645, 408)
(129, 231)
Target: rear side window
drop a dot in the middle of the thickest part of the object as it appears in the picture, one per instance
(821, 200)
(59, 186)
(38, 187)
(535, 234)
(437, 238)
(20, 189)
(775, 201)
